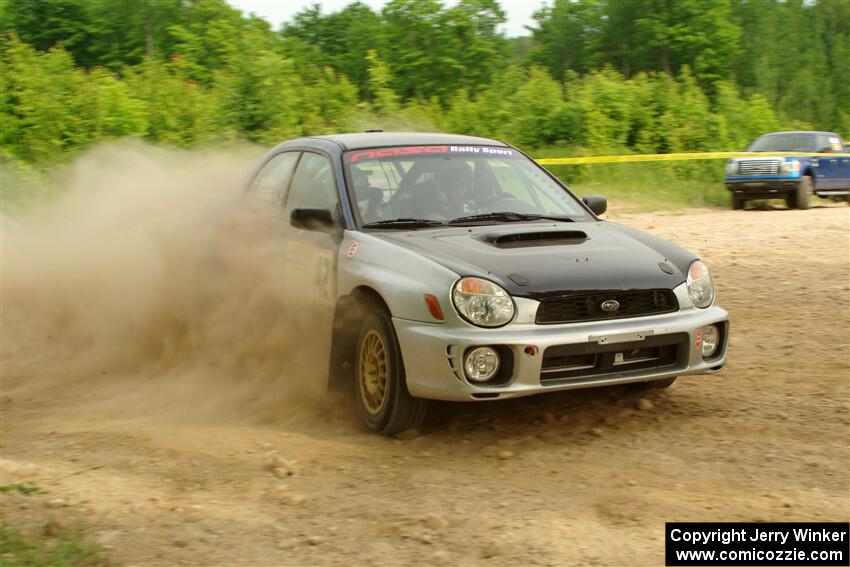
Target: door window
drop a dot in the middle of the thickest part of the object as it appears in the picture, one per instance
(835, 144)
(313, 184)
(823, 144)
(271, 183)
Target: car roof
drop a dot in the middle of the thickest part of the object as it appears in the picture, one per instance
(361, 140)
(801, 132)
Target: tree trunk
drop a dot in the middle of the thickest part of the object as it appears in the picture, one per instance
(665, 60)
(626, 68)
(148, 39)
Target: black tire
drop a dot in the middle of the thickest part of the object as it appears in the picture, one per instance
(738, 202)
(392, 409)
(656, 384)
(803, 192)
(791, 200)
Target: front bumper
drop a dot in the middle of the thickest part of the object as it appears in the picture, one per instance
(433, 353)
(765, 187)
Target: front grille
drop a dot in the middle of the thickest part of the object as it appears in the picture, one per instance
(588, 306)
(589, 361)
(758, 167)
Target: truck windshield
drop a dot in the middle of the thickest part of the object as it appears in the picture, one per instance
(784, 143)
(438, 184)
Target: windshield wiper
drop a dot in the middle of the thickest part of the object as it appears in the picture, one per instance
(404, 223)
(507, 216)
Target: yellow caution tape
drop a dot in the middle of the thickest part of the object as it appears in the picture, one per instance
(673, 157)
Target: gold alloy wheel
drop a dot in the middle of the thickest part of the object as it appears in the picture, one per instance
(374, 372)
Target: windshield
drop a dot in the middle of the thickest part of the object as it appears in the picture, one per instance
(444, 183)
(784, 143)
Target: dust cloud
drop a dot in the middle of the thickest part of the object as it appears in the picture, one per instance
(129, 292)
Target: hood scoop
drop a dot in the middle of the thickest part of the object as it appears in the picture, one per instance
(527, 239)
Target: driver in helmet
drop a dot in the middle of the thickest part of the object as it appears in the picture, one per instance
(454, 178)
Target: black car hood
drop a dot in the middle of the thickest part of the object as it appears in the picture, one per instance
(538, 259)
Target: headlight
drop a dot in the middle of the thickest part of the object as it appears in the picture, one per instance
(482, 303)
(731, 167)
(700, 286)
(791, 166)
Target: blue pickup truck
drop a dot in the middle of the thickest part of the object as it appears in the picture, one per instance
(774, 172)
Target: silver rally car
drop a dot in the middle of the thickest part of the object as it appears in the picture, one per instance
(455, 268)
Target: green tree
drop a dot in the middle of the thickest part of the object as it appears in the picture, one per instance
(567, 36)
(421, 60)
(596, 75)
(701, 34)
(384, 99)
(537, 108)
(341, 40)
(177, 108)
(472, 26)
(44, 24)
(110, 109)
(42, 102)
(605, 102)
(436, 51)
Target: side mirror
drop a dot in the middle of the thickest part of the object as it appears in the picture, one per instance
(312, 218)
(597, 203)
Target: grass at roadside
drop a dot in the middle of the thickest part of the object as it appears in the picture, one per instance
(650, 185)
(65, 547)
(43, 542)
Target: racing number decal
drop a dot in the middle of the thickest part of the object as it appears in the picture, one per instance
(323, 278)
(312, 269)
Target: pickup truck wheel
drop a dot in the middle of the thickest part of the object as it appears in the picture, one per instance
(791, 200)
(804, 190)
(738, 202)
(381, 388)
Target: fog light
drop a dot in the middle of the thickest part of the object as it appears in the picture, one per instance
(710, 340)
(481, 364)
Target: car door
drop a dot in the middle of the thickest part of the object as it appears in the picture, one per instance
(249, 242)
(842, 171)
(829, 166)
(311, 254)
(820, 164)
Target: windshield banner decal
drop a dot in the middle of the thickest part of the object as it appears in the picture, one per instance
(375, 153)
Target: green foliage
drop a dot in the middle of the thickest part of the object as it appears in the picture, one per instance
(176, 109)
(341, 40)
(43, 103)
(67, 548)
(112, 111)
(795, 53)
(650, 185)
(797, 57)
(384, 99)
(606, 103)
(743, 119)
(535, 107)
(566, 36)
(21, 184)
(595, 77)
(26, 489)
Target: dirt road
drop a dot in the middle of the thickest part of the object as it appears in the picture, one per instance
(167, 469)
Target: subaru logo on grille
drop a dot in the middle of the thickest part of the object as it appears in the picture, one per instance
(610, 305)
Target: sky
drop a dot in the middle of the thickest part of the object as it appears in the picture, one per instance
(518, 12)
